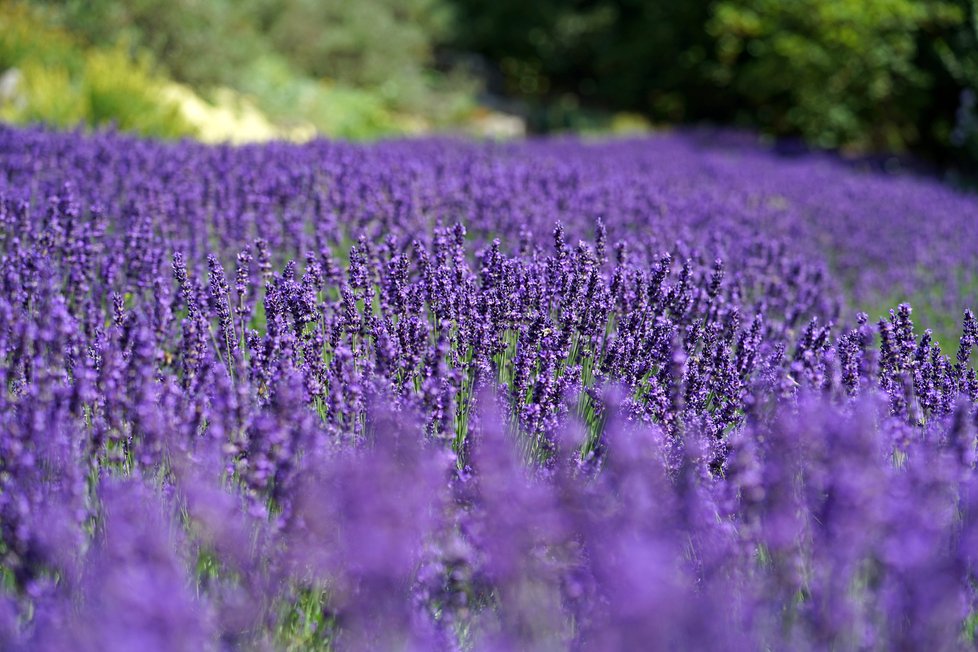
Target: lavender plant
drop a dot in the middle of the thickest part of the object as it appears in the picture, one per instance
(441, 395)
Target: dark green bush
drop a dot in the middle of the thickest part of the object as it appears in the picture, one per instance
(835, 71)
(955, 54)
(870, 74)
(639, 55)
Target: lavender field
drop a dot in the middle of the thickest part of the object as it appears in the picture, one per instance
(655, 394)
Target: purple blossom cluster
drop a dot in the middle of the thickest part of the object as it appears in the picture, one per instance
(437, 395)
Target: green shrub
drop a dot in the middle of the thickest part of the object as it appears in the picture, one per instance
(634, 55)
(45, 94)
(956, 54)
(64, 84)
(384, 45)
(868, 74)
(25, 37)
(198, 42)
(121, 92)
(381, 45)
(346, 67)
(835, 71)
(333, 109)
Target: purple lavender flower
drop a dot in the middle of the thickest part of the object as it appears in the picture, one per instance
(541, 395)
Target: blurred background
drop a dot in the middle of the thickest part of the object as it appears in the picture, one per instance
(895, 79)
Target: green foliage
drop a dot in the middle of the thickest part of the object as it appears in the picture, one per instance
(634, 55)
(347, 68)
(958, 47)
(307, 623)
(46, 94)
(835, 71)
(197, 42)
(337, 110)
(869, 75)
(121, 92)
(936, 304)
(382, 44)
(63, 84)
(21, 32)
(957, 51)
